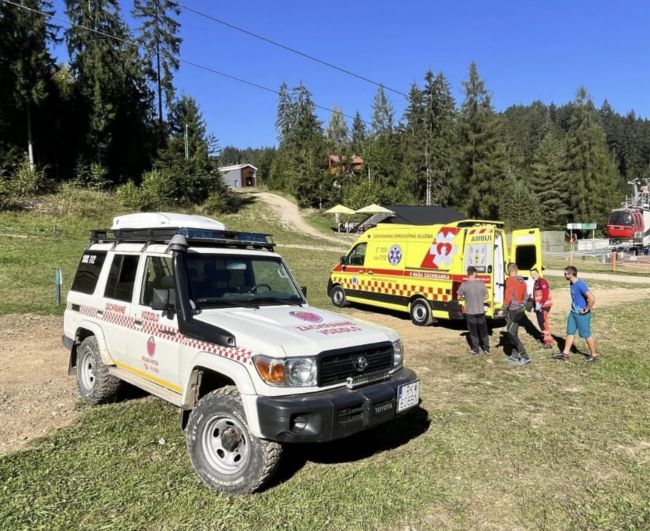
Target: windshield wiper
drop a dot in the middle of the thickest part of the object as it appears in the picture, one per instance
(211, 302)
(281, 300)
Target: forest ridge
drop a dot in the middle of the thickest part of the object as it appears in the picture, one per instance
(111, 119)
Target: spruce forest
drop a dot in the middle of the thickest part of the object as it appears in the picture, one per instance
(111, 119)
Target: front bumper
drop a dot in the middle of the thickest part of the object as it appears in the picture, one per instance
(328, 415)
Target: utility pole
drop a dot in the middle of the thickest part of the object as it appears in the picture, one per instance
(187, 143)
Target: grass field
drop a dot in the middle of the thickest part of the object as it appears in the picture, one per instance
(552, 446)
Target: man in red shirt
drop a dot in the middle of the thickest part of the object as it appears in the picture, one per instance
(515, 299)
(543, 303)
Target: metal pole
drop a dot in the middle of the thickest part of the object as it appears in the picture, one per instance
(58, 282)
(187, 147)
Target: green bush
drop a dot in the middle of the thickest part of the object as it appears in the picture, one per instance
(92, 176)
(158, 189)
(222, 202)
(131, 196)
(27, 180)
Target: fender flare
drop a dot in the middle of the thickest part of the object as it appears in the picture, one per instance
(235, 371)
(97, 331)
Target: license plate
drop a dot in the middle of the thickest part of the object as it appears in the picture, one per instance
(408, 395)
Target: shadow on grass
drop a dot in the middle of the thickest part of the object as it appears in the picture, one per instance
(386, 437)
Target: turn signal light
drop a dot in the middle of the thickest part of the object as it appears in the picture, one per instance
(270, 370)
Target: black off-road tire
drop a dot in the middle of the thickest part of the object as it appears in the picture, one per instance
(420, 312)
(225, 455)
(337, 295)
(95, 384)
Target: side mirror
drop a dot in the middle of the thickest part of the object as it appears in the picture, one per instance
(304, 290)
(163, 299)
(344, 260)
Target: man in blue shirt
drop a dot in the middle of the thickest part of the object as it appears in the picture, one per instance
(579, 318)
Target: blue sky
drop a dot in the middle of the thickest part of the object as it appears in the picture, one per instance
(525, 51)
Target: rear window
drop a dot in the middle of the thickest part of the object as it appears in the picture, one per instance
(88, 271)
(526, 257)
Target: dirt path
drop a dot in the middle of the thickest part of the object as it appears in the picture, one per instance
(36, 394)
(610, 277)
(291, 219)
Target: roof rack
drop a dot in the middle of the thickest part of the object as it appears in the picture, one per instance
(195, 237)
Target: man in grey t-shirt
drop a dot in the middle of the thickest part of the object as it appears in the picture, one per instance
(474, 293)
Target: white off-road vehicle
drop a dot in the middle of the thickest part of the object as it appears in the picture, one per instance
(214, 322)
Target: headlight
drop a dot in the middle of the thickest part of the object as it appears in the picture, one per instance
(398, 354)
(297, 372)
(301, 372)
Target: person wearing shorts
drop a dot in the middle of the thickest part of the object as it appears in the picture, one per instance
(579, 318)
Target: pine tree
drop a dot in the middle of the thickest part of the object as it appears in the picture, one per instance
(26, 67)
(193, 168)
(337, 130)
(414, 144)
(113, 100)
(520, 206)
(483, 162)
(382, 113)
(285, 114)
(312, 184)
(548, 181)
(589, 166)
(359, 135)
(440, 127)
(160, 45)
(299, 166)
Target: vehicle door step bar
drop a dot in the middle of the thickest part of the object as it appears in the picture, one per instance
(146, 385)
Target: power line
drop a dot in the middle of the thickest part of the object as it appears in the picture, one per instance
(182, 61)
(289, 49)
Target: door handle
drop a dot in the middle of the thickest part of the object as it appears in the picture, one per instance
(167, 332)
(370, 272)
(137, 322)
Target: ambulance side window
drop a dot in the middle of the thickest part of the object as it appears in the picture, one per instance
(357, 255)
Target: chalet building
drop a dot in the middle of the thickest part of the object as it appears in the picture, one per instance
(335, 168)
(239, 175)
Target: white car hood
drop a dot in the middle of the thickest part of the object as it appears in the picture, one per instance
(294, 330)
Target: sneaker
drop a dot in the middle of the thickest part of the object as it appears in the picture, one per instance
(486, 351)
(547, 347)
(524, 361)
(512, 359)
(591, 359)
(473, 352)
(560, 356)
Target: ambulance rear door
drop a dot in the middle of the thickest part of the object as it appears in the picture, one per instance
(499, 269)
(479, 253)
(526, 250)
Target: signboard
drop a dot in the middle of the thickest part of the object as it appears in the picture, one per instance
(581, 226)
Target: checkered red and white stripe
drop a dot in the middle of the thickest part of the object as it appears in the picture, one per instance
(154, 328)
(433, 293)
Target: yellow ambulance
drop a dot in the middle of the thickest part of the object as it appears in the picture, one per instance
(418, 269)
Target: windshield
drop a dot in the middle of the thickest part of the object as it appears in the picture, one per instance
(620, 217)
(226, 280)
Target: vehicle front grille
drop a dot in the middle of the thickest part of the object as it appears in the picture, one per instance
(337, 366)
